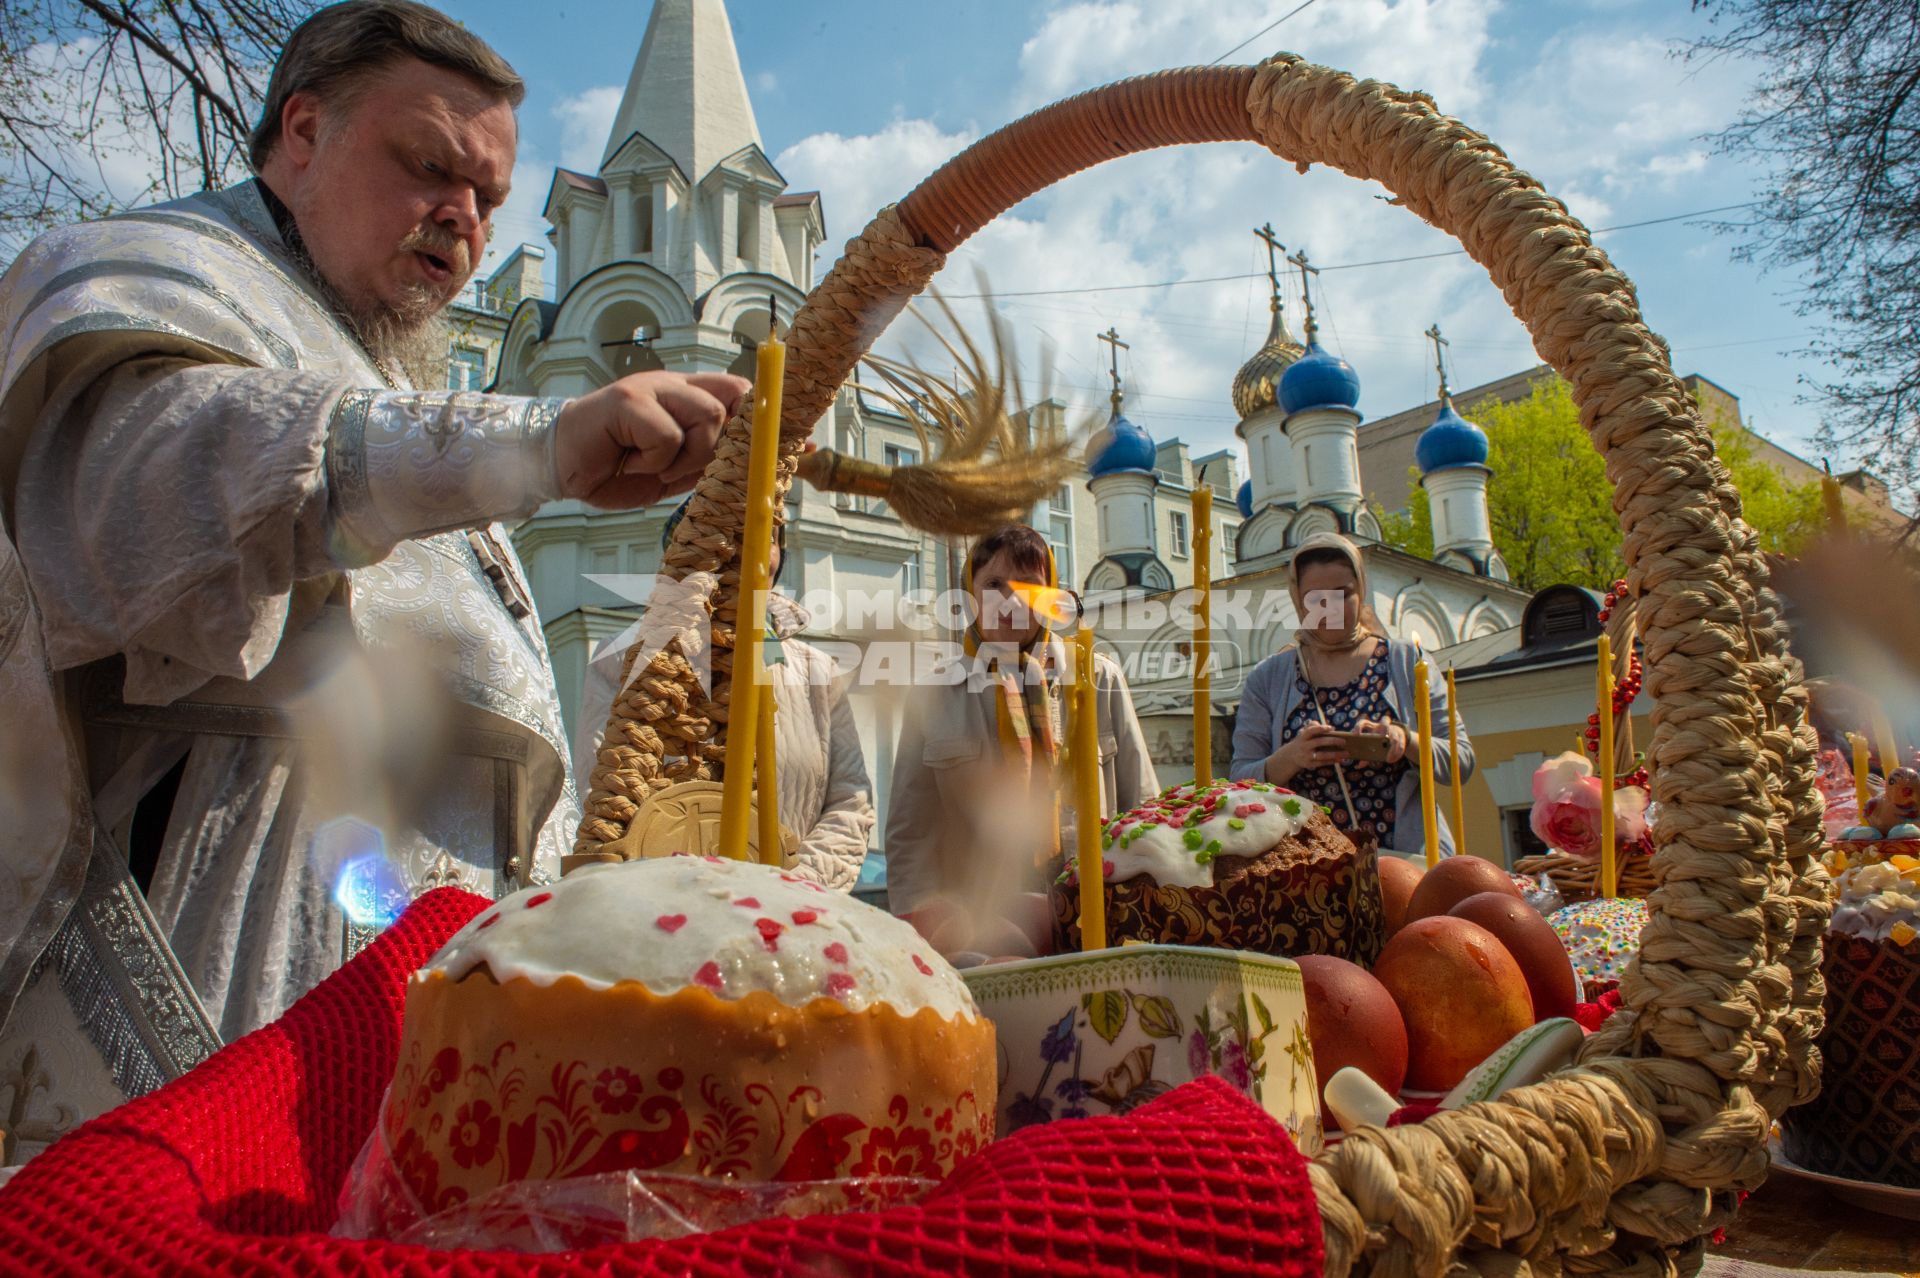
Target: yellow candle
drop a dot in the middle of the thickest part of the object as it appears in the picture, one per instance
(1605, 765)
(750, 620)
(769, 774)
(1202, 635)
(1453, 757)
(1836, 511)
(1883, 741)
(1086, 797)
(1423, 710)
(1861, 791)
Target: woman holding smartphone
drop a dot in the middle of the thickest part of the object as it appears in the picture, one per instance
(1332, 716)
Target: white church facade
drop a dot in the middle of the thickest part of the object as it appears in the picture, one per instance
(666, 258)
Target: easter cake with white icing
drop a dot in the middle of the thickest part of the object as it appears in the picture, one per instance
(1240, 865)
(685, 1015)
(1865, 1124)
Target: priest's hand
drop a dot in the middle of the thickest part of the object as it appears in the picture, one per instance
(642, 438)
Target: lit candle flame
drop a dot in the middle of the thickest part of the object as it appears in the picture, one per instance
(1050, 603)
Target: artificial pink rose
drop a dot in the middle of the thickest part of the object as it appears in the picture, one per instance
(1566, 807)
(1568, 825)
(1557, 777)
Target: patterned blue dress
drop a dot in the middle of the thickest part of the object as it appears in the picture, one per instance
(1373, 785)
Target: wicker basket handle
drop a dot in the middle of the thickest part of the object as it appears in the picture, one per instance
(1620, 1163)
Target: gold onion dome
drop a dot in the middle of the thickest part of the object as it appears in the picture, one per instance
(1257, 383)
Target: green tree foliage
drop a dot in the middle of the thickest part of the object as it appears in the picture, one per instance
(1549, 502)
(1786, 515)
(1551, 505)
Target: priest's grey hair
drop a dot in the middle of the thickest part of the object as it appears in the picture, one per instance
(333, 55)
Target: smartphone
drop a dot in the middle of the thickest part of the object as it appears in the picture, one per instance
(1364, 746)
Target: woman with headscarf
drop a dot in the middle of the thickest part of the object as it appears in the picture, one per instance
(974, 825)
(826, 797)
(1343, 675)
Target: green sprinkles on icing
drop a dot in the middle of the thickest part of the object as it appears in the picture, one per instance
(1205, 857)
(1235, 823)
(1194, 839)
(1214, 848)
(1291, 807)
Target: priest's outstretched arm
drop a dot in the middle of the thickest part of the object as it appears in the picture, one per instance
(172, 509)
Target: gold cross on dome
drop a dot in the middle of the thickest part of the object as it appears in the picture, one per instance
(1265, 235)
(1439, 355)
(1306, 290)
(1112, 338)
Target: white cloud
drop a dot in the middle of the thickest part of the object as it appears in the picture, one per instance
(1426, 44)
(766, 82)
(1187, 214)
(585, 120)
(1631, 110)
(857, 175)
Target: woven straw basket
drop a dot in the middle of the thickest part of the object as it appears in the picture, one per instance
(1626, 1162)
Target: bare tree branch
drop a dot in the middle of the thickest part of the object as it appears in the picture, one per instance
(106, 103)
(1834, 126)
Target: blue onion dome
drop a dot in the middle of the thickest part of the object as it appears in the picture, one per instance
(1119, 446)
(1244, 499)
(1319, 379)
(1451, 440)
(1256, 385)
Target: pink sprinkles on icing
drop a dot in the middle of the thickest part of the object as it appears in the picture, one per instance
(541, 899)
(768, 931)
(748, 903)
(839, 984)
(488, 922)
(803, 917)
(922, 965)
(708, 975)
(836, 952)
(670, 923)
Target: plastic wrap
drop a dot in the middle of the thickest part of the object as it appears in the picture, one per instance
(534, 1216)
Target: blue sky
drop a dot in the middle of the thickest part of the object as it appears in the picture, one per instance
(861, 100)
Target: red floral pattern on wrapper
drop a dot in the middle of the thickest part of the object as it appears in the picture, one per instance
(235, 1169)
(577, 1124)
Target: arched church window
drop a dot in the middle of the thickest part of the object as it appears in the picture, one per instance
(748, 232)
(643, 220)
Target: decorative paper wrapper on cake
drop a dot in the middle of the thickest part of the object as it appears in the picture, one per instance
(1101, 1033)
(689, 1015)
(1238, 865)
(1865, 1124)
(1601, 935)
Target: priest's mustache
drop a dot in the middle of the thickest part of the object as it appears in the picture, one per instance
(437, 240)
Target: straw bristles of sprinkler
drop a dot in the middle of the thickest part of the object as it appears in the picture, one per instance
(990, 460)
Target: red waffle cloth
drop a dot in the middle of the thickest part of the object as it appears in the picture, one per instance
(235, 1170)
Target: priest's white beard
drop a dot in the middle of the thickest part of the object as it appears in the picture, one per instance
(412, 335)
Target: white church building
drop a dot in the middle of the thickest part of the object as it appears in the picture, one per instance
(666, 258)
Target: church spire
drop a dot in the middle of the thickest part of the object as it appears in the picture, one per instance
(686, 94)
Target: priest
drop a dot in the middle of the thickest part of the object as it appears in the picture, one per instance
(262, 634)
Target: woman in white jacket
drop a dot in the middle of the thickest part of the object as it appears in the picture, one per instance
(974, 829)
(826, 796)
